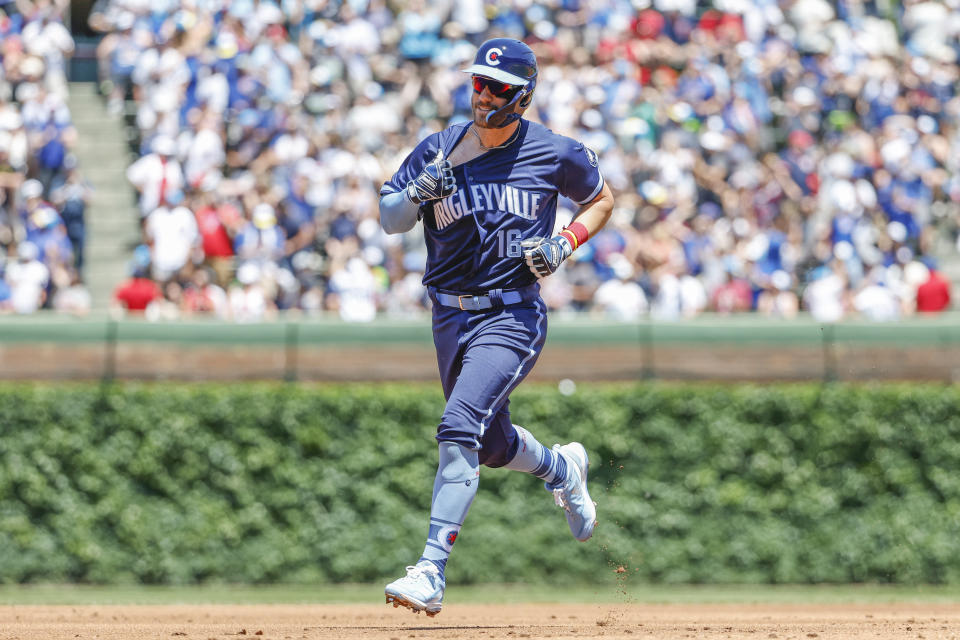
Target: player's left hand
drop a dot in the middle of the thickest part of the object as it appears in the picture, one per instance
(544, 255)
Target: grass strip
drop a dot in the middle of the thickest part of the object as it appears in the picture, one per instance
(478, 594)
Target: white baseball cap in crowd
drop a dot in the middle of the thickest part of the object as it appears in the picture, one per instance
(124, 20)
(44, 217)
(164, 145)
(264, 216)
(28, 251)
(248, 273)
(781, 279)
(31, 189)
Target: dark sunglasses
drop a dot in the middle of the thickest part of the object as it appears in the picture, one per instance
(498, 89)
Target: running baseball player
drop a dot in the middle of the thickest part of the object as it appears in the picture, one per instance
(486, 192)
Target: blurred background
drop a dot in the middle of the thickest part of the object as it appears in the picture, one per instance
(215, 161)
(222, 159)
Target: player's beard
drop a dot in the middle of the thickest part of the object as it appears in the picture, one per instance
(480, 116)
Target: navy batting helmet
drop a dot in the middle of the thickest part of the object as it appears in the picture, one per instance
(511, 62)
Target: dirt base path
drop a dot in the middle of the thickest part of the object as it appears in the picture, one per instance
(472, 622)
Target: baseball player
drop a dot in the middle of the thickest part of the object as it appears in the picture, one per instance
(486, 192)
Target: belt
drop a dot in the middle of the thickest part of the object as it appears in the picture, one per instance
(490, 300)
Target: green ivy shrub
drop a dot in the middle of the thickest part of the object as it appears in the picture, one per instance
(257, 483)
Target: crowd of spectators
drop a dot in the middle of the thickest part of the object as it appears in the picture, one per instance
(43, 197)
(776, 156)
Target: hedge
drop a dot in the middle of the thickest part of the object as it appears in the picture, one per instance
(258, 483)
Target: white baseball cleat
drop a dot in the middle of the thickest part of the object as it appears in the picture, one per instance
(572, 493)
(420, 590)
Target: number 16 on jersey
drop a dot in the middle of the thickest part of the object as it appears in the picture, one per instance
(508, 243)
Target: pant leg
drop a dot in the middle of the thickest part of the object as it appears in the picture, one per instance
(495, 353)
(499, 443)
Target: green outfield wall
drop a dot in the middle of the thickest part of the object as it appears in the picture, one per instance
(308, 483)
(737, 348)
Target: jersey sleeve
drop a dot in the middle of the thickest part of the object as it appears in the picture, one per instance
(579, 171)
(412, 165)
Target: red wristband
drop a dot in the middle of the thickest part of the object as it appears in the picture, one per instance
(576, 233)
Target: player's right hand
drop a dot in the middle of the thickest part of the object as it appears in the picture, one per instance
(435, 182)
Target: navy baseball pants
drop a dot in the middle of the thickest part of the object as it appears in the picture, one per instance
(483, 356)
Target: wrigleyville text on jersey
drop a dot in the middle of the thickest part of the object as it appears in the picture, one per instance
(487, 197)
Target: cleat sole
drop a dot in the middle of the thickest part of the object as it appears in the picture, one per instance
(413, 605)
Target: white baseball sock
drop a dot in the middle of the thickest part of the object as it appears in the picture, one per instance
(453, 491)
(533, 457)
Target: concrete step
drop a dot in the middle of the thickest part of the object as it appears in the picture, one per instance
(108, 175)
(113, 242)
(108, 260)
(107, 179)
(87, 107)
(112, 203)
(113, 208)
(103, 154)
(117, 249)
(107, 199)
(107, 168)
(92, 125)
(102, 295)
(111, 174)
(118, 224)
(92, 112)
(114, 230)
(82, 92)
(105, 144)
(106, 276)
(109, 268)
(111, 271)
(83, 89)
(120, 236)
(87, 113)
(102, 145)
(110, 188)
(114, 224)
(99, 125)
(951, 271)
(107, 280)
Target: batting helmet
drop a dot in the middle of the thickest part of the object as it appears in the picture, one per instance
(511, 62)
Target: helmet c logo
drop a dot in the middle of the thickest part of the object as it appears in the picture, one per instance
(493, 56)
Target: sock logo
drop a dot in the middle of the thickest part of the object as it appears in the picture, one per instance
(447, 536)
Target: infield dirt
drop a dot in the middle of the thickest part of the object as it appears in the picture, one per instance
(472, 622)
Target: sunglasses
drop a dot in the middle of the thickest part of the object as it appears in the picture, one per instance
(497, 89)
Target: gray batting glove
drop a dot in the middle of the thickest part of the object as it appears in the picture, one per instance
(544, 256)
(435, 182)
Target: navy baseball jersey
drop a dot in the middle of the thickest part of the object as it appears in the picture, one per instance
(504, 196)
